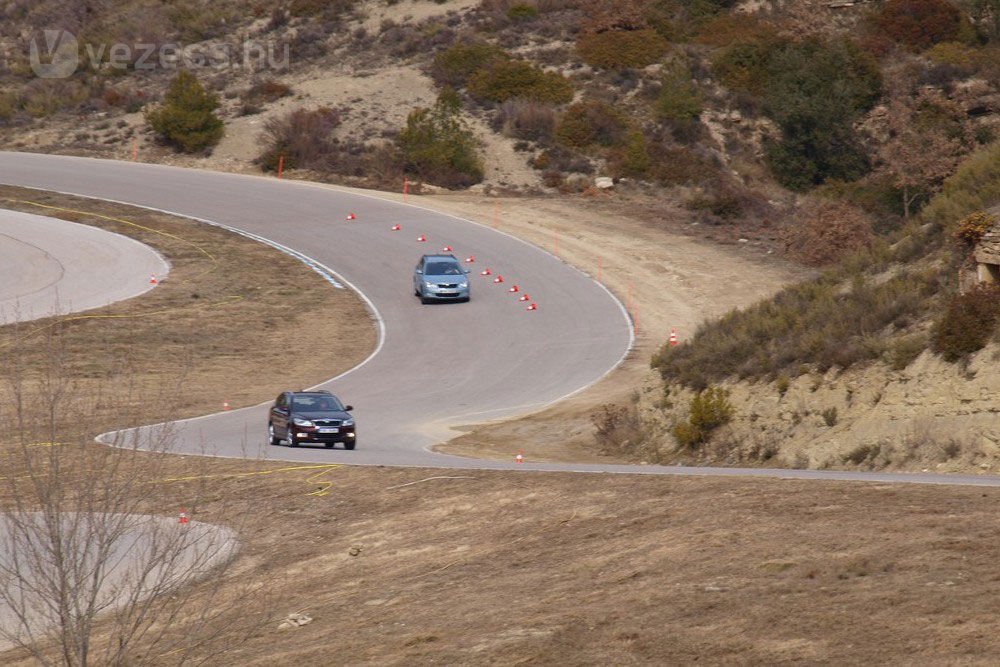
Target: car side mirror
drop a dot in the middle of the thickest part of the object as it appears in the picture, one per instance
(467, 271)
(419, 271)
(348, 408)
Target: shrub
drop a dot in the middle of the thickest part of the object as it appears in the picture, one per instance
(455, 65)
(304, 137)
(678, 100)
(918, 24)
(904, 350)
(617, 428)
(633, 160)
(268, 90)
(503, 80)
(709, 410)
(187, 119)
(974, 186)
(830, 416)
(438, 146)
(591, 123)
(618, 49)
(974, 226)
(952, 53)
(527, 120)
(827, 231)
(522, 11)
(968, 323)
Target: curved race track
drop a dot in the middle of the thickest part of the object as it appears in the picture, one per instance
(52, 267)
(437, 366)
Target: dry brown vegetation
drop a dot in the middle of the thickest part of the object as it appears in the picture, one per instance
(215, 311)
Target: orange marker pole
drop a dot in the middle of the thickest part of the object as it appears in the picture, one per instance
(281, 165)
(406, 188)
(135, 151)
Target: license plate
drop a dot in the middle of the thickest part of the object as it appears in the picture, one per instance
(329, 430)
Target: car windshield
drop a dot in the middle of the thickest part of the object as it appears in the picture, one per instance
(443, 269)
(316, 403)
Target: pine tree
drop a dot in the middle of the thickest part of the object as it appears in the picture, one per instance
(186, 119)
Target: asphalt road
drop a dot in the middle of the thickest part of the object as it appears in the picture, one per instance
(437, 366)
(50, 266)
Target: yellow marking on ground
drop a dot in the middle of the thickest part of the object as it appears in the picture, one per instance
(321, 470)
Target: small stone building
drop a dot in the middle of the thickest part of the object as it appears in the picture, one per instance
(988, 254)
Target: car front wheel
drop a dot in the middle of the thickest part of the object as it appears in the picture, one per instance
(350, 444)
(271, 439)
(290, 438)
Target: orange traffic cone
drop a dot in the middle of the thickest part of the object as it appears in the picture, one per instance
(421, 239)
(470, 259)
(396, 228)
(520, 457)
(515, 289)
(152, 279)
(183, 517)
(524, 297)
(533, 306)
(447, 248)
(498, 280)
(486, 272)
(351, 216)
(673, 337)
(225, 405)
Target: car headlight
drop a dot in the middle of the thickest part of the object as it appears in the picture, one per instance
(348, 422)
(302, 422)
(429, 284)
(463, 285)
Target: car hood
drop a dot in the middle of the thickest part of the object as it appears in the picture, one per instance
(330, 414)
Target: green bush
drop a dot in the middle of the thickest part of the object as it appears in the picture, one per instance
(904, 350)
(709, 410)
(503, 80)
(522, 11)
(455, 65)
(967, 324)
(974, 186)
(678, 100)
(437, 146)
(633, 160)
(619, 49)
(591, 123)
(187, 119)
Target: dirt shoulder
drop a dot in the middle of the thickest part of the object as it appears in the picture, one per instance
(231, 307)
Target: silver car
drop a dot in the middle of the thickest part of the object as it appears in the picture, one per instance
(440, 278)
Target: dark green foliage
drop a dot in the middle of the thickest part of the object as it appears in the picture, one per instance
(504, 80)
(709, 410)
(522, 11)
(678, 100)
(632, 160)
(968, 323)
(591, 123)
(814, 90)
(438, 147)
(455, 65)
(618, 49)
(187, 119)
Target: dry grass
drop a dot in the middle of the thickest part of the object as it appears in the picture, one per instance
(508, 568)
(219, 315)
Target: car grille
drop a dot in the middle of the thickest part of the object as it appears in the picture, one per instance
(326, 422)
(446, 286)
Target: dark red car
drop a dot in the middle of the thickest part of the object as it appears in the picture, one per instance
(299, 417)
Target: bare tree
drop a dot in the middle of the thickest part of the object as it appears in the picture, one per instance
(927, 139)
(91, 571)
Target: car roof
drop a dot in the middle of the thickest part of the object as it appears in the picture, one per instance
(319, 392)
(452, 257)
